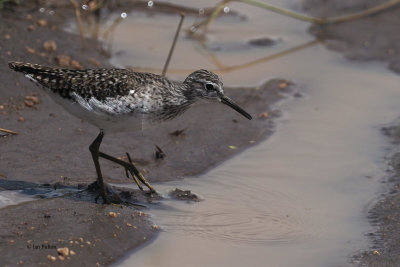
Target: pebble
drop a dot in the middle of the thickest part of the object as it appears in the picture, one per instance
(51, 258)
(50, 46)
(29, 103)
(263, 115)
(32, 98)
(283, 85)
(63, 251)
(63, 60)
(76, 64)
(30, 50)
(94, 62)
(375, 252)
(41, 22)
(31, 28)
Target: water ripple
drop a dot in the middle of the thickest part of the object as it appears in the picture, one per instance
(241, 213)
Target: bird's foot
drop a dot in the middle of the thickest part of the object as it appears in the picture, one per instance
(137, 175)
(108, 195)
(109, 199)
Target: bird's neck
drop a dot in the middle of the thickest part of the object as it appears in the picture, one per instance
(176, 101)
(183, 94)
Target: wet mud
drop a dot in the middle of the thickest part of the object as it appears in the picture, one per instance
(385, 215)
(32, 233)
(52, 147)
(368, 39)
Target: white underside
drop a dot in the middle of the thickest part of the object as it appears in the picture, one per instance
(109, 123)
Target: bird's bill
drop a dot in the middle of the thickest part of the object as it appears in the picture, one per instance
(229, 102)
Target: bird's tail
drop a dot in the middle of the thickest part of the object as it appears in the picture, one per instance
(48, 78)
(27, 68)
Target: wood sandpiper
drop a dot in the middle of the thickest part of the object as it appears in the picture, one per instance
(117, 100)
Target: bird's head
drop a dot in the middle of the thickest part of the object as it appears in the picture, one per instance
(204, 84)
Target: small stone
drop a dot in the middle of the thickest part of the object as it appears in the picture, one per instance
(29, 103)
(63, 251)
(128, 224)
(21, 119)
(12, 242)
(75, 64)
(81, 239)
(1, 107)
(50, 46)
(63, 60)
(61, 258)
(88, 242)
(112, 214)
(31, 28)
(7, 36)
(41, 22)
(375, 252)
(30, 50)
(72, 253)
(32, 98)
(282, 85)
(94, 62)
(155, 227)
(263, 115)
(51, 258)
(29, 17)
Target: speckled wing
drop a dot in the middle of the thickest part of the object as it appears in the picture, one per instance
(100, 90)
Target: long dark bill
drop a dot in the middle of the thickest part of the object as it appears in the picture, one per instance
(229, 102)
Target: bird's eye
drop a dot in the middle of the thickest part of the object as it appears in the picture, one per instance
(209, 86)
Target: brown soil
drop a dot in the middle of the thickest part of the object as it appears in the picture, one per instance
(371, 38)
(97, 234)
(52, 146)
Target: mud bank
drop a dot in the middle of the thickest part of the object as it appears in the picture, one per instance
(52, 146)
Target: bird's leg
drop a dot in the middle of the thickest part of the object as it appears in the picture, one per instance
(133, 176)
(94, 149)
(131, 168)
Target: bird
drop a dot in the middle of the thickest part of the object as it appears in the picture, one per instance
(119, 100)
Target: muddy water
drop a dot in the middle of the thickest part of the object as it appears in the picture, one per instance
(298, 199)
